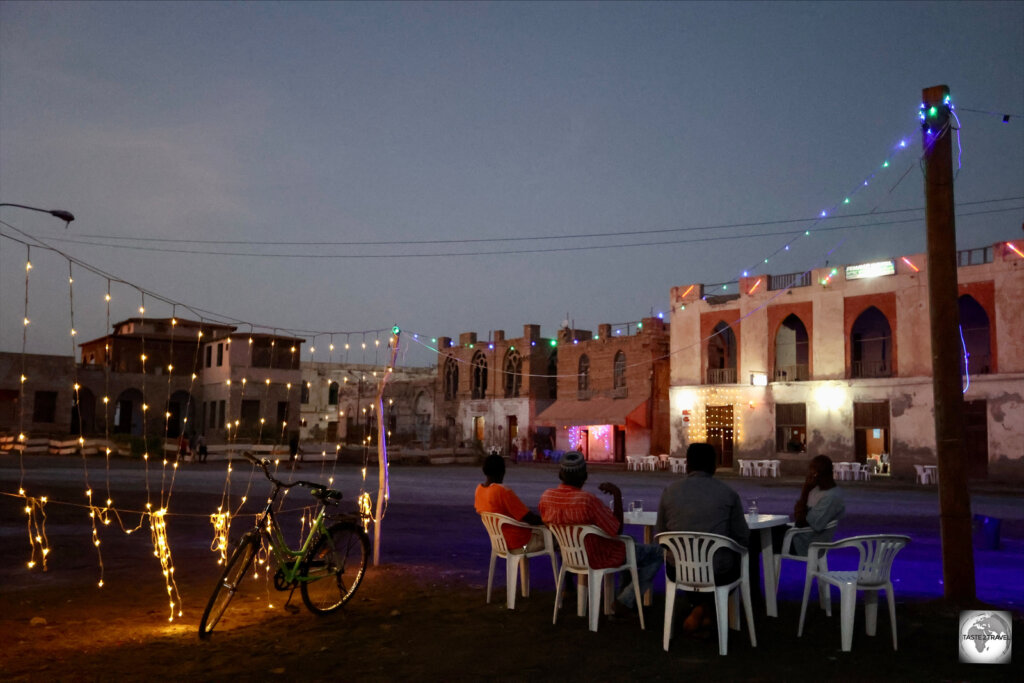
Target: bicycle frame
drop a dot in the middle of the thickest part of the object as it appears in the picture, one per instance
(288, 559)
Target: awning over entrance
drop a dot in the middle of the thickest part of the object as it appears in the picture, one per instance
(597, 411)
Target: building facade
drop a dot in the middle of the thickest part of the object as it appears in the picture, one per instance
(612, 392)
(251, 386)
(490, 392)
(339, 403)
(838, 361)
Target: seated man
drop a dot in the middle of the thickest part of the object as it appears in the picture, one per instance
(491, 496)
(702, 503)
(569, 504)
(820, 503)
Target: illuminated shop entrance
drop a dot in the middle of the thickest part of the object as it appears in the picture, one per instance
(871, 435)
(720, 432)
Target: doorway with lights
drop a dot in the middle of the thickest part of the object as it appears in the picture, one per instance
(720, 432)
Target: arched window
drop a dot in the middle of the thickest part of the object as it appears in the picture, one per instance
(791, 351)
(619, 373)
(871, 345)
(513, 373)
(552, 373)
(583, 376)
(976, 335)
(332, 394)
(722, 355)
(451, 379)
(479, 375)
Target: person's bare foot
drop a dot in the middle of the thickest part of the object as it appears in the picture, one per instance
(695, 620)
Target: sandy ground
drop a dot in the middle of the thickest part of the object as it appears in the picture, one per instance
(420, 615)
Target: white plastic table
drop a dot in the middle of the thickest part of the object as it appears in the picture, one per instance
(647, 519)
(765, 524)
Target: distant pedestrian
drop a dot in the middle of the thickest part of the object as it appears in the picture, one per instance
(183, 449)
(201, 446)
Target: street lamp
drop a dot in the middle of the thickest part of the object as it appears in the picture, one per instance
(65, 216)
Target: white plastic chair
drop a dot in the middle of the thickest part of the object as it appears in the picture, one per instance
(746, 468)
(516, 559)
(873, 574)
(922, 474)
(691, 553)
(632, 462)
(650, 462)
(773, 468)
(678, 465)
(663, 461)
(824, 598)
(575, 560)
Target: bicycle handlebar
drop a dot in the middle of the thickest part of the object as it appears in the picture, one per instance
(311, 485)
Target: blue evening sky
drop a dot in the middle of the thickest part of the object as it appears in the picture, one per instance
(253, 138)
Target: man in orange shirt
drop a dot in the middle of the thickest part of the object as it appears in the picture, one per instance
(569, 504)
(491, 496)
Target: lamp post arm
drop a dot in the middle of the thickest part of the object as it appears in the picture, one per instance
(65, 216)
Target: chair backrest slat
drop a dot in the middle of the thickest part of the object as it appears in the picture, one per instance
(493, 523)
(692, 555)
(571, 539)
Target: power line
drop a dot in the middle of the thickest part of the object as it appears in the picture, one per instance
(498, 252)
(620, 233)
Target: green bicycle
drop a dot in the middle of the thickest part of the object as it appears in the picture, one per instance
(327, 568)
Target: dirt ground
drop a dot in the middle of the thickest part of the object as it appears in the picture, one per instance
(420, 615)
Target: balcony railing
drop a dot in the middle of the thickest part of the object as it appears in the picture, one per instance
(870, 368)
(792, 373)
(620, 392)
(975, 257)
(789, 280)
(979, 364)
(721, 375)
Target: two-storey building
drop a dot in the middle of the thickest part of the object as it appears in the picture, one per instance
(838, 361)
(489, 392)
(612, 391)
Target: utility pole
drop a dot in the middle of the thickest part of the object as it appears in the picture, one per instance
(947, 379)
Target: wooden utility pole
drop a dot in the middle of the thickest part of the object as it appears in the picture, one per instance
(947, 356)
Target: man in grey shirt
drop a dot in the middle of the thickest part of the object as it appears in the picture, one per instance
(699, 502)
(820, 503)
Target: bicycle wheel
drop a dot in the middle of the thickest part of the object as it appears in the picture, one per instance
(236, 568)
(335, 567)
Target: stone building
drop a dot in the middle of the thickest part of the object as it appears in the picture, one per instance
(838, 361)
(338, 403)
(612, 392)
(250, 386)
(489, 392)
(41, 402)
(143, 362)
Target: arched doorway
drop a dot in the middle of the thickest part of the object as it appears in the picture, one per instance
(182, 413)
(977, 337)
(722, 355)
(128, 413)
(83, 412)
(871, 345)
(792, 348)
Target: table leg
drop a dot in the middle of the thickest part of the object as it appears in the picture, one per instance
(648, 538)
(768, 571)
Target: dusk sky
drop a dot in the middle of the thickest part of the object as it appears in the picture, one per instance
(311, 167)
